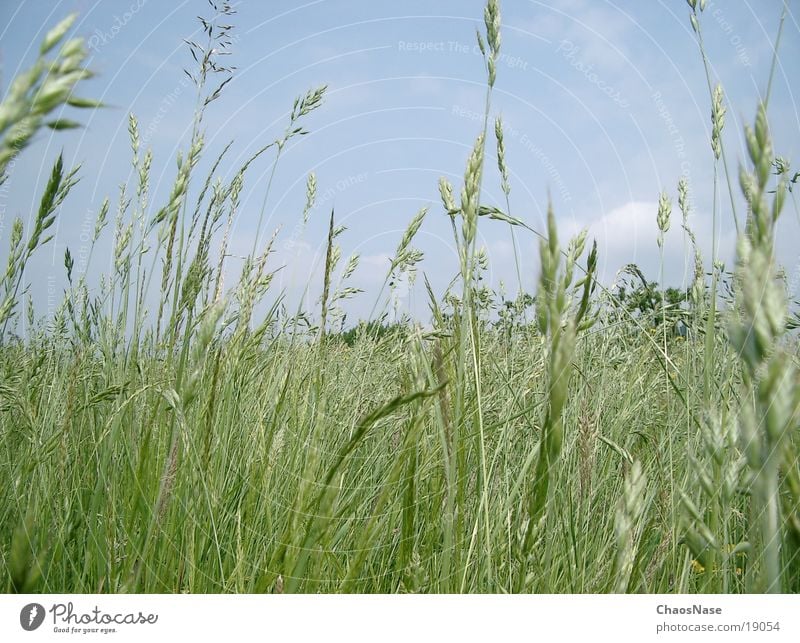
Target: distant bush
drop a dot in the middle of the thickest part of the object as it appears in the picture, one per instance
(372, 331)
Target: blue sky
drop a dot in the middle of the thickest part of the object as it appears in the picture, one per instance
(605, 104)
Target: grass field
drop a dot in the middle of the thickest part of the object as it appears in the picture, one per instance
(574, 443)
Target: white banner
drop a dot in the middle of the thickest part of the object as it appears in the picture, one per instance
(406, 618)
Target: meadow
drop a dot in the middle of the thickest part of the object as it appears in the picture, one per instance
(576, 439)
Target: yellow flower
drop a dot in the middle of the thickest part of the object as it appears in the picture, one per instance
(697, 567)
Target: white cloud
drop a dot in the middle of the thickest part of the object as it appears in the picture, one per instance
(629, 233)
(381, 260)
(598, 33)
(426, 85)
(372, 270)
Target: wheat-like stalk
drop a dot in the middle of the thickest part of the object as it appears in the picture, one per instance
(627, 526)
(769, 374)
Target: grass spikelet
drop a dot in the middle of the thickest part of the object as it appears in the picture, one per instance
(717, 120)
(501, 156)
(448, 201)
(311, 195)
(627, 526)
(664, 212)
(470, 194)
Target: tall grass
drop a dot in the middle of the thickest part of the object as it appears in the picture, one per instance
(207, 448)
